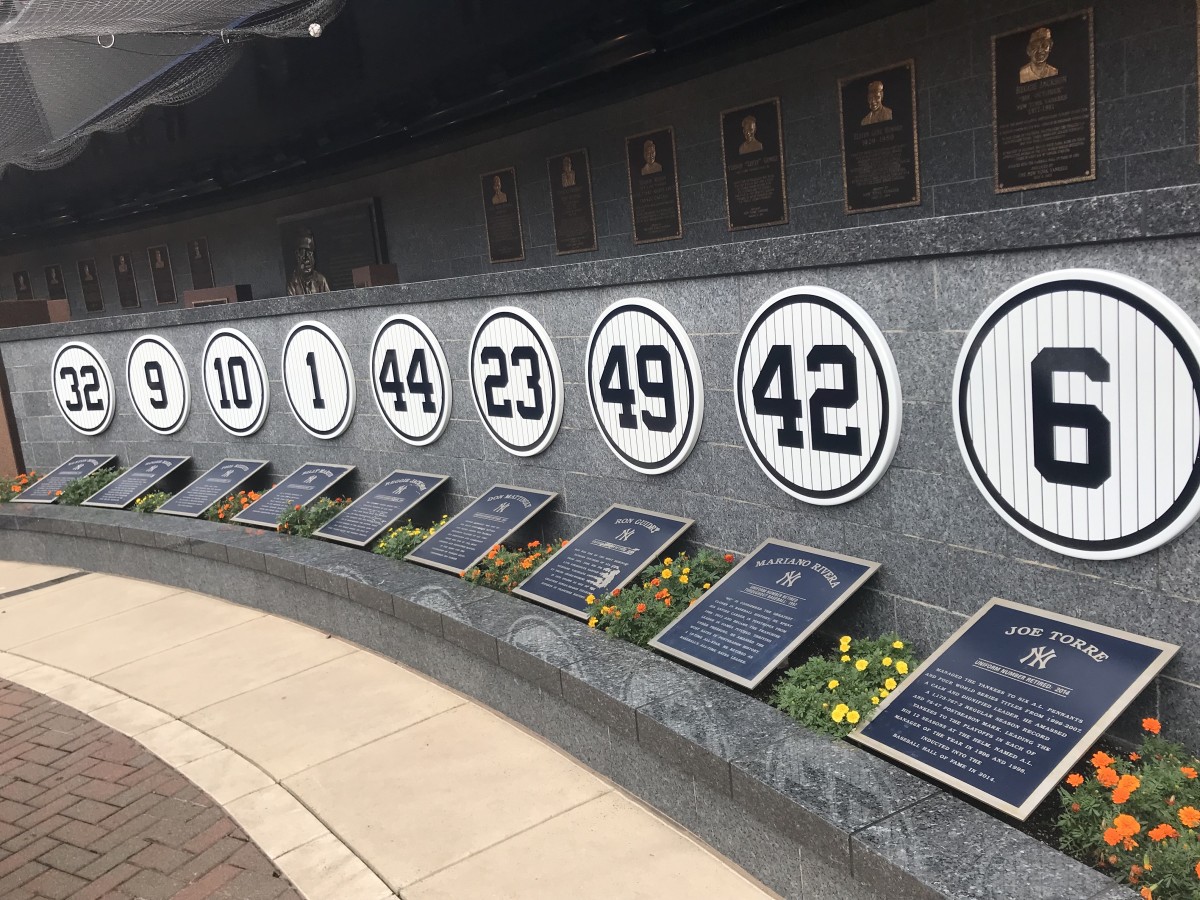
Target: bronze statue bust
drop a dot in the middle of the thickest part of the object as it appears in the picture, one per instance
(305, 277)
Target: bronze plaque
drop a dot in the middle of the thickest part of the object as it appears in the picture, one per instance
(89, 278)
(752, 151)
(880, 161)
(23, 285)
(55, 286)
(1044, 104)
(161, 274)
(127, 289)
(653, 186)
(201, 264)
(502, 216)
(571, 199)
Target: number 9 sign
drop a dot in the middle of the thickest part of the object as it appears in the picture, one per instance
(1076, 408)
(83, 387)
(158, 384)
(644, 385)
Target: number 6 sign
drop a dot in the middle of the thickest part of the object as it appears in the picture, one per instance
(1077, 411)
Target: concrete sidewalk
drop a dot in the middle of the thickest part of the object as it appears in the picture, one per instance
(359, 778)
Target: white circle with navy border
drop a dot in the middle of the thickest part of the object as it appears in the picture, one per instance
(818, 395)
(318, 380)
(235, 382)
(83, 387)
(1077, 410)
(158, 384)
(411, 380)
(644, 385)
(516, 381)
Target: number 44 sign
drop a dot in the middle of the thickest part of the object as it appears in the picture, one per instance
(1077, 411)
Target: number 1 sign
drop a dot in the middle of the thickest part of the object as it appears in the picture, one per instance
(318, 380)
(1077, 411)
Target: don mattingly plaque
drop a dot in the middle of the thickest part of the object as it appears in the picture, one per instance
(1007, 705)
(1044, 104)
(653, 186)
(880, 161)
(752, 148)
(502, 216)
(571, 201)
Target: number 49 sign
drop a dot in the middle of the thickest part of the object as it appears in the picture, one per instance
(1077, 411)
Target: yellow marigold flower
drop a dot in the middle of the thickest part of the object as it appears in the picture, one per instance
(861, 665)
(592, 622)
(890, 684)
(884, 693)
(687, 570)
(852, 717)
(683, 579)
(844, 639)
(667, 573)
(875, 701)
(839, 712)
(667, 560)
(887, 660)
(902, 667)
(897, 645)
(591, 598)
(707, 585)
(833, 684)
(845, 657)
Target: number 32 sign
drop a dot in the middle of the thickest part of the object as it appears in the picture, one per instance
(1077, 411)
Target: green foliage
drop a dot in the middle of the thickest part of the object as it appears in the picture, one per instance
(81, 488)
(506, 567)
(402, 540)
(1136, 816)
(832, 694)
(12, 486)
(152, 501)
(657, 596)
(302, 521)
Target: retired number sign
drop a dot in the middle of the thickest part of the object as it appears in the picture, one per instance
(318, 380)
(516, 381)
(818, 395)
(1077, 412)
(644, 384)
(83, 387)
(158, 384)
(235, 382)
(411, 380)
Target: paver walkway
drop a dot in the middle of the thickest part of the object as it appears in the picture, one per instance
(359, 778)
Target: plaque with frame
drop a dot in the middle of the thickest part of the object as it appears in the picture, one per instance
(1008, 703)
(571, 202)
(381, 507)
(223, 480)
(162, 276)
(23, 286)
(881, 164)
(89, 279)
(1044, 104)
(56, 287)
(653, 186)
(200, 264)
(345, 237)
(127, 289)
(47, 488)
(752, 156)
(502, 216)
(308, 483)
(136, 481)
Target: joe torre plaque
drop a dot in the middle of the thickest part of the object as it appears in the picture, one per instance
(606, 555)
(571, 199)
(880, 168)
(222, 480)
(47, 489)
(502, 216)
(1044, 104)
(1009, 702)
(752, 148)
(653, 186)
(754, 617)
(302, 487)
(379, 508)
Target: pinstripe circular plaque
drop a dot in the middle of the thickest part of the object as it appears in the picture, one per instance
(318, 380)
(644, 385)
(83, 387)
(411, 381)
(158, 384)
(818, 395)
(1076, 408)
(235, 382)
(516, 381)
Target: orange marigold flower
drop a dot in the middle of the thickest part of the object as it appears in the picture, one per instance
(1189, 816)
(499, 563)
(220, 515)
(667, 602)
(1129, 783)
(1152, 725)
(1146, 895)
(492, 553)
(1188, 771)
(1074, 779)
(641, 607)
(1107, 777)
(1112, 837)
(1162, 832)
(535, 543)
(1126, 825)
(655, 581)
(1075, 807)
(1129, 843)
(1198, 870)
(564, 543)
(728, 557)
(662, 595)
(1119, 796)
(527, 564)
(1134, 757)
(1101, 759)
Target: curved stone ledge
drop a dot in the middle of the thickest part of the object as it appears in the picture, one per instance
(810, 817)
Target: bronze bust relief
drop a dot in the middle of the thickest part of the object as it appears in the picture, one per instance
(305, 277)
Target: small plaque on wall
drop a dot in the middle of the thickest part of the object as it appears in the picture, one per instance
(89, 278)
(880, 160)
(1044, 104)
(308, 483)
(161, 274)
(48, 488)
(571, 200)
(136, 481)
(752, 149)
(653, 186)
(380, 508)
(56, 288)
(222, 480)
(127, 289)
(200, 264)
(502, 216)
(23, 286)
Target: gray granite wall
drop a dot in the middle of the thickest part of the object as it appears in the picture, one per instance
(1146, 132)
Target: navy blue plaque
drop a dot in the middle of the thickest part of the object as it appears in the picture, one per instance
(1006, 706)
(137, 480)
(222, 480)
(47, 489)
(490, 520)
(752, 619)
(302, 487)
(379, 508)
(606, 555)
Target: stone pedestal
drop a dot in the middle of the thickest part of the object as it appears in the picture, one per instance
(214, 296)
(373, 276)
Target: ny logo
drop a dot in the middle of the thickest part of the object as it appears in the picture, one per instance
(789, 578)
(228, 473)
(400, 490)
(625, 535)
(1038, 656)
(502, 507)
(310, 479)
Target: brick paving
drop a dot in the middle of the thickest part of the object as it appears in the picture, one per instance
(87, 813)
